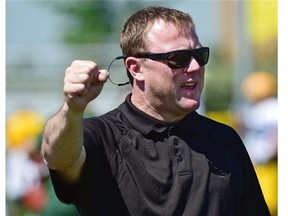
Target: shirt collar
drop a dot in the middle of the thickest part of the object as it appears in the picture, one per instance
(146, 123)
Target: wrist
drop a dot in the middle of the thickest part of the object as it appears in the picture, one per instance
(72, 113)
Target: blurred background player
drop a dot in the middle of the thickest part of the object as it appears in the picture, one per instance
(259, 122)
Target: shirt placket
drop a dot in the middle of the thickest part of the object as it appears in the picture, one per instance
(182, 156)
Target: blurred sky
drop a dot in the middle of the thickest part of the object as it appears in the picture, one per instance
(31, 21)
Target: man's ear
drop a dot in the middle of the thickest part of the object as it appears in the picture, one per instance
(132, 64)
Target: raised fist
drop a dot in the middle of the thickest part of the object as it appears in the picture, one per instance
(83, 82)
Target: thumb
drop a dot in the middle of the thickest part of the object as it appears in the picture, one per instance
(103, 75)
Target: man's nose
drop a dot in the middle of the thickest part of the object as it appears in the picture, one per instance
(193, 66)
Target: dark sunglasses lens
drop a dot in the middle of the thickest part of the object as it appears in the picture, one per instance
(182, 60)
(179, 61)
(201, 57)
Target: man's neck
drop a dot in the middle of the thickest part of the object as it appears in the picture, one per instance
(139, 100)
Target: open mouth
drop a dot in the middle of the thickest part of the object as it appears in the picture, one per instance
(189, 85)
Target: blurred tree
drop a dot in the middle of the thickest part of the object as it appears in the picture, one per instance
(93, 21)
(218, 83)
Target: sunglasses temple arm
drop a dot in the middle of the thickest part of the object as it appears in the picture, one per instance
(117, 84)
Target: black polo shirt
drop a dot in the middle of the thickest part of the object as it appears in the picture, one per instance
(138, 165)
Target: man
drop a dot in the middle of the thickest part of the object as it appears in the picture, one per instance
(153, 155)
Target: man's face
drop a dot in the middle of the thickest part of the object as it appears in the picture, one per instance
(173, 92)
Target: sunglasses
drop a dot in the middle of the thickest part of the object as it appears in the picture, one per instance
(175, 59)
(179, 58)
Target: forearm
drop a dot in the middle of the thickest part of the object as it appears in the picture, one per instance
(62, 139)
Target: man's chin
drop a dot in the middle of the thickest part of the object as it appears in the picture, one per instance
(190, 105)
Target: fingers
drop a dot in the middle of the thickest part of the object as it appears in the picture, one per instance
(79, 77)
(81, 72)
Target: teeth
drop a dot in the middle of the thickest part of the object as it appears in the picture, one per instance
(189, 84)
